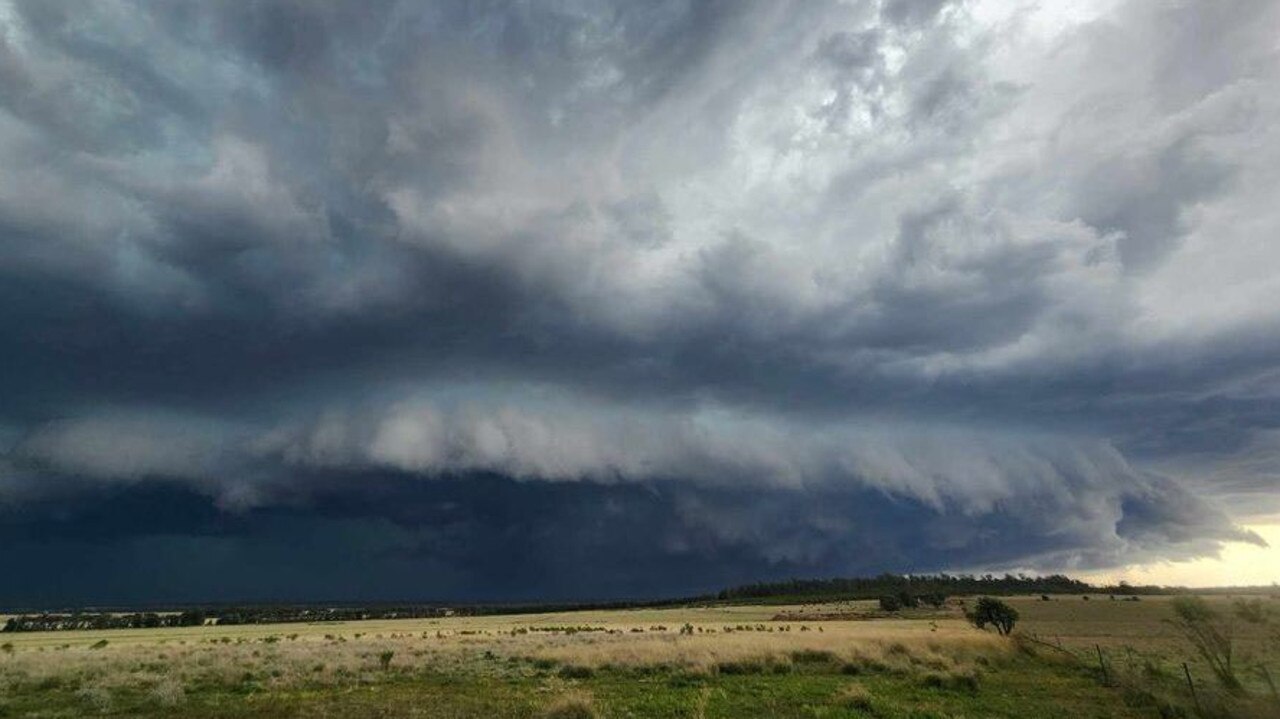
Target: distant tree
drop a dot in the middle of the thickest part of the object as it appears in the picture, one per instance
(890, 603)
(995, 612)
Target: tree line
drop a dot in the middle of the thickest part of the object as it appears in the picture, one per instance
(45, 622)
(922, 585)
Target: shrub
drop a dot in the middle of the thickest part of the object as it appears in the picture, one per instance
(890, 603)
(934, 680)
(744, 667)
(1211, 636)
(96, 696)
(812, 656)
(958, 681)
(855, 696)
(384, 659)
(98, 644)
(575, 672)
(992, 611)
(169, 692)
(571, 706)
(934, 599)
(966, 681)
(7, 647)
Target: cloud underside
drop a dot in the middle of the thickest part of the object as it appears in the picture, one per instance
(721, 290)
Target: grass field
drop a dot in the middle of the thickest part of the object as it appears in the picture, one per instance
(820, 660)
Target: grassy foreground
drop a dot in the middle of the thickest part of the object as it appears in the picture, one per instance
(830, 660)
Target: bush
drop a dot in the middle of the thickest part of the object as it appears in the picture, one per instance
(812, 656)
(98, 644)
(956, 681)
(169, 692)
(934, 599)
(1211, 636)
(575, 672)
(96, 696)
(571, 706)
(992, 611)
(856, 696)
(743, 667)
(890, 603)
(384, 659)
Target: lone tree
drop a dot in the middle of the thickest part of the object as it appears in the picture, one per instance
(994, 612)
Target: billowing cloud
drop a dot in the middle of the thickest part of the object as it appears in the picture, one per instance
(991, 269)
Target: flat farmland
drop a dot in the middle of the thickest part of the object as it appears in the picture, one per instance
(842, 659)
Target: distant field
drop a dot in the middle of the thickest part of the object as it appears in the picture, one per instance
(844, 659)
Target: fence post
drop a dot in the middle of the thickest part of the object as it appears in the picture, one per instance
(1267, 675)
(1191, 685)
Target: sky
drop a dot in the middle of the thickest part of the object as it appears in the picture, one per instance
(375, 300)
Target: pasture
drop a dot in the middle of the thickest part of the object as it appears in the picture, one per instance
(841, 659)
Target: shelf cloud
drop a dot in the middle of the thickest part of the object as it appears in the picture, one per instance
(659, 295)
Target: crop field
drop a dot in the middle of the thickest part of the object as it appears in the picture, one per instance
(844, 659)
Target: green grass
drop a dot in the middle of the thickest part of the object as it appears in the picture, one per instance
(1017, 687)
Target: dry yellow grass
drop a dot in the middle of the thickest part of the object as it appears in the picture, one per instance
(162, 661)
(622, 620)
(886, 642)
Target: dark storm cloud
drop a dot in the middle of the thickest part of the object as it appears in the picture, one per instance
(981, 266)
(483, 537)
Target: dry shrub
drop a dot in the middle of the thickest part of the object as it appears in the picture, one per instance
(169, 692)
(855, 696)
(96, 696)
(572, 705)
(963, 681)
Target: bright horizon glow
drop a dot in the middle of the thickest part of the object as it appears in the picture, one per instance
(1239, 565)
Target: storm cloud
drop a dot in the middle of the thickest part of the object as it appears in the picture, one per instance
(521, 300)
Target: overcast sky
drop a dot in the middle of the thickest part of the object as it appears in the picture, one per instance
(480, 300)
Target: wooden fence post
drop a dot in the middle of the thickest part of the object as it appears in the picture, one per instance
(1267, 675)
(1191, 685)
